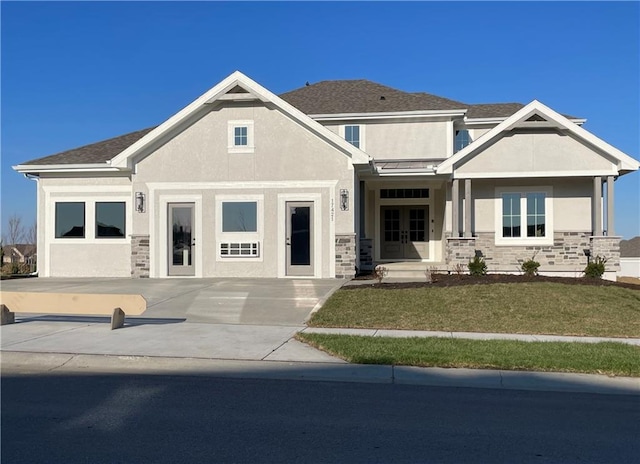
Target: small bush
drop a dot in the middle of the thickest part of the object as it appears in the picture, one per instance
(477, 267)
(380, 272)
(458, 269)
(530, 267)
(595, 268)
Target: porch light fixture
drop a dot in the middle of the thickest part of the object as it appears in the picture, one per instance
(344, 200)
(140, 206)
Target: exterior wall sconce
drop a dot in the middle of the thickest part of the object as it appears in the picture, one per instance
(140, 206)
(344, 200)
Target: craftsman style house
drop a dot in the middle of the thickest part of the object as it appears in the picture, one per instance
(326, 179)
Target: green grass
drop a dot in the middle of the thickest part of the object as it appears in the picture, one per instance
(601, 358)
(534, 308)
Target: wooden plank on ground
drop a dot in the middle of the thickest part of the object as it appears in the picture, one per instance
(72, 303)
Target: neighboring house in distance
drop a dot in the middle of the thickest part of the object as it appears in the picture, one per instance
(19, 253)
(630, 258)
(328, 178)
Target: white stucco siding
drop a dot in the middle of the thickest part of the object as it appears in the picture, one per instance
(402, 140)
(571, 202)
(77, 260)
(88, 256)
(529, 153)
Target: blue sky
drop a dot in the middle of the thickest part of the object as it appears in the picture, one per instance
(74, 73)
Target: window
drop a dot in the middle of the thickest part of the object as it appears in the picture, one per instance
(352, 135)
(110, 219)
(524, 216)
(240, 135)
(404, 193)
(70, 219)
(239, 216)
(249, 249)
(461, 140)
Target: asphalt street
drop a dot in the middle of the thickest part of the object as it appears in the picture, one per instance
(108, 417)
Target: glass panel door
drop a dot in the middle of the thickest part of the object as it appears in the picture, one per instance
(299, 240)
(181, 239)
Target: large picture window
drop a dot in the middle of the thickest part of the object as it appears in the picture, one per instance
(524, 215)
(110, 219)
(70, 219)
(239, 216)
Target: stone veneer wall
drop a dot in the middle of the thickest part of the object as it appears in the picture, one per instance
(139, 256)
(609, 248)
(366, 254)
(345, 256)
(567, 254)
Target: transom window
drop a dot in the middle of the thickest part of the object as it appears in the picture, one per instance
(352, 135)
(70, 219)
(525, 215)
(404, 193)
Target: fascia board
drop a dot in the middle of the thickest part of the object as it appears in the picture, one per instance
(388, 115)
(97, 167)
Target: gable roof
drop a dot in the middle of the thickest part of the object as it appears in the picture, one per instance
(536, 114)
(362, 96)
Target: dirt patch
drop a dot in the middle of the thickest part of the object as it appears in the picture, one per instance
(453, 280)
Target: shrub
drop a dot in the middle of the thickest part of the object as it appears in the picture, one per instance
(477, 267)
(595, 268)
(380, 272)
(530, 267)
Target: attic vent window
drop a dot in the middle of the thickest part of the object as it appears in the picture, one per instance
(237, 89)
(382, 97)
(536, 117)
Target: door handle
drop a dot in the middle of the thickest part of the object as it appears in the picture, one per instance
(288, 242)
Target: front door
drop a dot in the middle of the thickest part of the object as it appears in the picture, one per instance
(181, 239)
(404, 232)
(299, 238)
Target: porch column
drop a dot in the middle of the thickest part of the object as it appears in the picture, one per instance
(455, 202)
(597, 206)
(610, 229)
(467, 207)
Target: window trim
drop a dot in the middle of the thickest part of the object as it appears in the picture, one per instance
(343, 131)
(524, 240)
(239, 237)
(231, 137)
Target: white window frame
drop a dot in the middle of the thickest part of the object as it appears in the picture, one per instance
(240, 237)
(231, 142)
(524, 240)
(343, 133)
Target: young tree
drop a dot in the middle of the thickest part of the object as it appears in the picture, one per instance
(15, 230)
(31, 235)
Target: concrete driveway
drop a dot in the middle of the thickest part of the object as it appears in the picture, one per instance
(241, 319)
(284, 302)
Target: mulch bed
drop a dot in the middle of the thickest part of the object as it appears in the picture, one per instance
(453, 280)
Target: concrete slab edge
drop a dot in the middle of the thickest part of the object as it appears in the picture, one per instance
(324, 299)
(21, 363)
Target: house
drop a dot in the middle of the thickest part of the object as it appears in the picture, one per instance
(18, 253)
(630, 258)
(326, 179)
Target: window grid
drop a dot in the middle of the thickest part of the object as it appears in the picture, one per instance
(239, 249)
(462, 139)
(535, 215)
(511, 215)
(352, 135)
(404, 193)
(240, 136)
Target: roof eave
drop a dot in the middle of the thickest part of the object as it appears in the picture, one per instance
(389, 115)
(87, 167)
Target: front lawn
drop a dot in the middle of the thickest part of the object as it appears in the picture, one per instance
(527, 307)
(600, 358)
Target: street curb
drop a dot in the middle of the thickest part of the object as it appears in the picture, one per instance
(24, 363)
